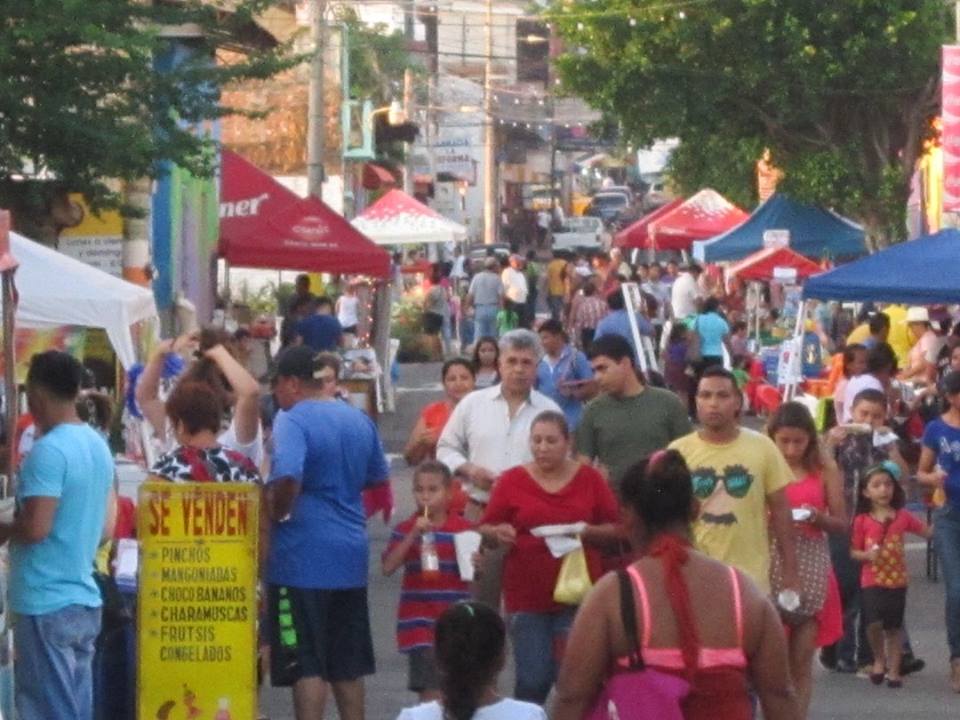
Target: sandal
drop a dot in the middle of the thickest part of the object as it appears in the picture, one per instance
(894, 684)
(877, 678)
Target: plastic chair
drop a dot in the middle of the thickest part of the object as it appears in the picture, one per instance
(768, 398)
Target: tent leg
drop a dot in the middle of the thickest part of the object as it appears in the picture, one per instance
(790, 389)
(12, 408)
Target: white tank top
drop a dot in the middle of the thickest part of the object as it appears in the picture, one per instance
(347, 314)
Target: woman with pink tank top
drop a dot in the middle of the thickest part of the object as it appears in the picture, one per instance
(816, 498)
(677, 635)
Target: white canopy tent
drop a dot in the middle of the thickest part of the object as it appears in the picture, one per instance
(56, 290)
(398, 219)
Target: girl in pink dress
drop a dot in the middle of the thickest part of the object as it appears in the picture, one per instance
(816, 497)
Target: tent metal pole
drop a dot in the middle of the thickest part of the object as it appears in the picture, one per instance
(12, 408)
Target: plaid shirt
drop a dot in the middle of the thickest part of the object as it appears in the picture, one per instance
(586, 312)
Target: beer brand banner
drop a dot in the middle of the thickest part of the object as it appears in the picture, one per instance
(951, 128)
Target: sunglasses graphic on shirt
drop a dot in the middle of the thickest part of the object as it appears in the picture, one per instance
(735, 478)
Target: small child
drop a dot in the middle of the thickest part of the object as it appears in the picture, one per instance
(507, 320)
(675, 361)
(424, 546)
(877, 542)
(471, 640)
(854, 363)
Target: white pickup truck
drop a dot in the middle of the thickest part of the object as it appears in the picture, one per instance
(578, 233)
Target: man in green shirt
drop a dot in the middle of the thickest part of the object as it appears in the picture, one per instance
(630, 420)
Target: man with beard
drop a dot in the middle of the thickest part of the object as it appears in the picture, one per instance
(739, 477)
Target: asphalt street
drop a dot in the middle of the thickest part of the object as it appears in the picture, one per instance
(836, 697)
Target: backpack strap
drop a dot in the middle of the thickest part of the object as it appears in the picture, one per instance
(628, 614)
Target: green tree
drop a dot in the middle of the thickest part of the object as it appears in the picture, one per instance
(842, 93)
(84, 105)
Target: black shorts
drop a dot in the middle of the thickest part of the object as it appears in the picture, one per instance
(319, 633)
(432, 323)
(884, 605)
(423, 670)
(349, 330)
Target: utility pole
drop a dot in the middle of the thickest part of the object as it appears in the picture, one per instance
(408, 111)
(489, 142)
(316, 124)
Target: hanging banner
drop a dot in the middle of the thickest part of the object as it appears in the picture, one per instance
(951, 128)
(197, 601)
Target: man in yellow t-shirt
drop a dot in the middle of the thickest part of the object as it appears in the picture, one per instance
(556, 284)
(739, 477)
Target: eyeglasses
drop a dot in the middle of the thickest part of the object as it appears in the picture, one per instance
(735, 478)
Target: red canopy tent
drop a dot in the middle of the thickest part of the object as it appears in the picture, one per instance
(761, 264)
(265, 225)
(701, 216)
(637, 234)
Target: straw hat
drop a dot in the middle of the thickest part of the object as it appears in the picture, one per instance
(917, 315)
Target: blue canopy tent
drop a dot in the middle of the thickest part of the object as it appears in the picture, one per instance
(814, 232)
(918, 272)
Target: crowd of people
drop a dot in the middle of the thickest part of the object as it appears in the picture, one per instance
(606, 500)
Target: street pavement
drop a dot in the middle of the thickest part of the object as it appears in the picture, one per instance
(836, 697)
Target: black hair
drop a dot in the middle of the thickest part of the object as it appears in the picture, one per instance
(454, 362)
(864, 506)
(738, 326)
(557, 418)
(323, 300)
(796, 415)
(95, 409)
(718, 371)
(881, 358)
(711, 304)
(850, 354)
(951, 383)
(588, 288)
(615, 300)
(659, 490)
(878, 322)
(613, 346)
(58, 373)
(554, 327)
(434, 467)
(476, 350)
(870, 395)
(469, 640)
(678, 332)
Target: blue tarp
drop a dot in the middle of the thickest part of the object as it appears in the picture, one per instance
(814, 232)
(917, 272)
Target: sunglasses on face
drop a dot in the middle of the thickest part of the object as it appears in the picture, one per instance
(735, 478)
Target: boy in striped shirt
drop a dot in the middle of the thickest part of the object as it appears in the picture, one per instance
(423, 545)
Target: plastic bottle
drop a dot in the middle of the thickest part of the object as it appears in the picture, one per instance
(223, 710)
(429, 560)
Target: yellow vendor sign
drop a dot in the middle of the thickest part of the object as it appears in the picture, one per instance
(197, 604)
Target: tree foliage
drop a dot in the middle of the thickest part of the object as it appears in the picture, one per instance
(85, 100)
(841, 92)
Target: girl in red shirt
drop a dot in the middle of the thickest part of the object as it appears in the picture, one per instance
(877, 542)
(552, 490)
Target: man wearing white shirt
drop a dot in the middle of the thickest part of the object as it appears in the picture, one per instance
(489, 431)
(515, 288)
(686, 294)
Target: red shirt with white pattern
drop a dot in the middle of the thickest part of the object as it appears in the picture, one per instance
(889, 570)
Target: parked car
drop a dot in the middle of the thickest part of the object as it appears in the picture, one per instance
(656, 196)
(608, 206)
(580, 233)
(478, 253)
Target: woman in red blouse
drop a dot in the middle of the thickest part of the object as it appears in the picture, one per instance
(458, 381)
(551, 490)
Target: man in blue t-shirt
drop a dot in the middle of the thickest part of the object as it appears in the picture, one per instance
(62, 507)
(320, 330)
(326, 453)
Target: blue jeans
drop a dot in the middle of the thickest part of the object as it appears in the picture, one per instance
(852, 648)
(53, 674)
(537, 638)
(555, 303)
(946, 536)
(485, 321)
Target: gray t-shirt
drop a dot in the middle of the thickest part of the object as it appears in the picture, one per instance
(486, 288)
(619, 432)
